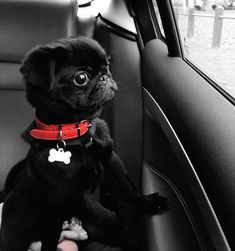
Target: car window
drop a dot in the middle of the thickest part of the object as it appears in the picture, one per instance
(207, 32)
(159, 21)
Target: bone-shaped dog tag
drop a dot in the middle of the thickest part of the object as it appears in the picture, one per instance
(59, 155)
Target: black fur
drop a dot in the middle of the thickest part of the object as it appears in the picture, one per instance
(40, 195)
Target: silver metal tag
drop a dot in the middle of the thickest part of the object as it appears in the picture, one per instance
(59, 155)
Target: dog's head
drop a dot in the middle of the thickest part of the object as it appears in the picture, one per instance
(69, 76)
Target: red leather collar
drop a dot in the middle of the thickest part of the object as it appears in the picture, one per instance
(59, 132)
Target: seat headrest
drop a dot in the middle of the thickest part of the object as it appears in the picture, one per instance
(26, 23)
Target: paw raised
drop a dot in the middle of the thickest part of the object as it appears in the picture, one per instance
(152, 203)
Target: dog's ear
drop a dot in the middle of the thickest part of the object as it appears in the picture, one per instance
(39, 65)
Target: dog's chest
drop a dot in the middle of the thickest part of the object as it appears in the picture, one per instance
(58, 180)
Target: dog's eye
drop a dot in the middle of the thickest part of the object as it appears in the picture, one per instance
(81, 79)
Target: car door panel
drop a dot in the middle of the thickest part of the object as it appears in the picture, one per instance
(191, 115)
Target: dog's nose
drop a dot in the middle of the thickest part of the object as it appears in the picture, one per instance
(113, 86)
(103, 78)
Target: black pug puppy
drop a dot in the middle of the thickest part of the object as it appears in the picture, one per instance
(68, 82)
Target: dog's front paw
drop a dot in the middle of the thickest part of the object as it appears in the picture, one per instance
(130, 239)
(152, 203)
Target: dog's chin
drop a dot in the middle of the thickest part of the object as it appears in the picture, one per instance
(101, 98)
(95, 104)
(98, 99)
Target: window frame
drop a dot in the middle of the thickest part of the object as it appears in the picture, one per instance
(156, 24)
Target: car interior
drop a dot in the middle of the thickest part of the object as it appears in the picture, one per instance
(173, 130)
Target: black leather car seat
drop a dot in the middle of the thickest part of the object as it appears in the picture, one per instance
(24, 24)
(125, 114)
